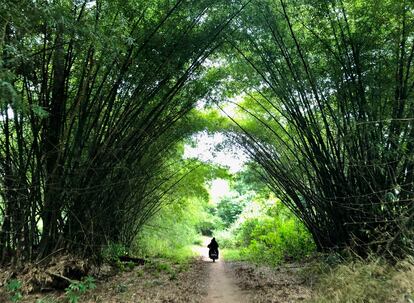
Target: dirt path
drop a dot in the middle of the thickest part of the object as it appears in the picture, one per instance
(198, 281)
(221, 286)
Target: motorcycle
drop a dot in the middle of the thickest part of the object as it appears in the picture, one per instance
(213, 254)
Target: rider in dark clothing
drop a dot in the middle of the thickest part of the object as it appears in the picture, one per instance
(213, 246)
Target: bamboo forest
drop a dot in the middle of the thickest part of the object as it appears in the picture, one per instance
(207, 151)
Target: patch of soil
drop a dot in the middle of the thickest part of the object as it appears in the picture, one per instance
(222, 286)
(264, 284)
(145, 283)
(149, 285)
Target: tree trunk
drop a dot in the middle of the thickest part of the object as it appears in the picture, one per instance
(52, 151)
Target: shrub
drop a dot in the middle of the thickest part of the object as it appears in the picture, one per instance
(232, 254)
(13, 287)
(171, 233)
(77, 288)
(198, 241)
(229, 209)
(272, 240)
(112, 252)
(226, 239)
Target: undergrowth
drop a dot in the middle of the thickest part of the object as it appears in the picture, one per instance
(360, 281)
(13, 287)
(180, 254)
(77, 288)
(171, 234)
(269, 238)
(230, 254)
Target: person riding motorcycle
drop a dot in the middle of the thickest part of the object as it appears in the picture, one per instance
(213, 252)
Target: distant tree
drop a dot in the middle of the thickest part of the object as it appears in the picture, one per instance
(229, 209)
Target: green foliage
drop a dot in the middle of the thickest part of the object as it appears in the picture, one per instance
(111, 252)
(39, 111)
(230, 254)
(273, 240)
(157, 267)
(327, 117)
(266, 233)
(178, 224)
(229, 209)
(97, 101)
(171, 233)
(211, 222)
(227, 238)
(125, 266)
(139, 272)
(257, 226)
(77, 288)
(198, 241)
(93, 103)
(177, 252)
(13, 287)
(121, 288)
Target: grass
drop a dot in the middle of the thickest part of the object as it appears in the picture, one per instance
(160, 248)
(231, 254)
(198, 241)
(179, 255)
(365, 282)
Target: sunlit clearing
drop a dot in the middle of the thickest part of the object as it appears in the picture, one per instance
(219, 188)
(207, 149)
